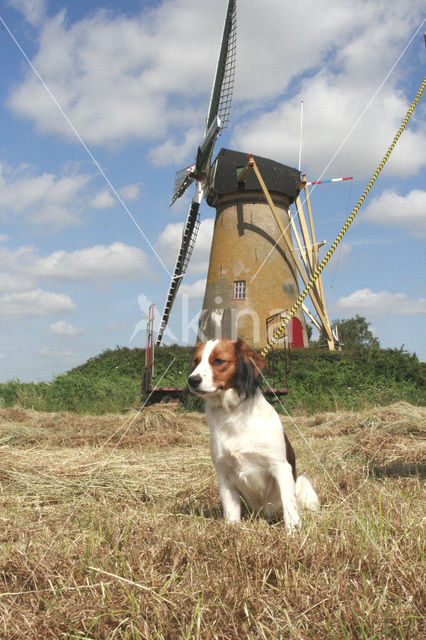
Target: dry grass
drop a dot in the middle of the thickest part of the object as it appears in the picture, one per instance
(388, 440)
(111, 528)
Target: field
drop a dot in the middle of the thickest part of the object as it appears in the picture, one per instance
(111, 528)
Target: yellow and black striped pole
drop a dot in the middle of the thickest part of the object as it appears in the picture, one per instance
(278, 333)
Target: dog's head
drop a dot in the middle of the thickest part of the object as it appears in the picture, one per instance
(219, 365)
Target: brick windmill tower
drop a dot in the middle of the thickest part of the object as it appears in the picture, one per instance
(253, 271)
(251, 275)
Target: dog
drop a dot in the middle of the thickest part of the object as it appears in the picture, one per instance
(253, 457)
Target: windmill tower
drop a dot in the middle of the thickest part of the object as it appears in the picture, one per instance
(253, 267)
(251, 276)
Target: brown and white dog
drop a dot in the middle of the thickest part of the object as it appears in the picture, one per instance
(253, 458)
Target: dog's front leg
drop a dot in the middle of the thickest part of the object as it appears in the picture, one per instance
(283, 474)
(230, 498)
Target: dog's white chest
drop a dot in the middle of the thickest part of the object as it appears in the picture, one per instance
(241, 459)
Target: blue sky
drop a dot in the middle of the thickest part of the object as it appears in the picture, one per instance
(78, 267)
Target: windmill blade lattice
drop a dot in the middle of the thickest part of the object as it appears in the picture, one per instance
(223, 86)
(183, 178)
(217, 119)
(219, 107)
(189, 236)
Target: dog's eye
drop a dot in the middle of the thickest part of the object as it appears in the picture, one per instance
(218, 361)
(196, 362)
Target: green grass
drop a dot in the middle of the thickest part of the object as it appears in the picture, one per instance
(74, 391)
(318, 380)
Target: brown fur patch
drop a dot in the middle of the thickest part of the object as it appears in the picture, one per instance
(252, 357)
(290, 455)
(223, 361)
(198, 354)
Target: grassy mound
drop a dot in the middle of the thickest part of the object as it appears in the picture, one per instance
(318, 380)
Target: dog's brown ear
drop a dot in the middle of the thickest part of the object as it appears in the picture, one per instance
(196, 352)
(248, 372)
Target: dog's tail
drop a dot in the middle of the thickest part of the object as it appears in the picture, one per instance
(306, 495)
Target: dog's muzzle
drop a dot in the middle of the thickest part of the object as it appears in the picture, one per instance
(194, 382)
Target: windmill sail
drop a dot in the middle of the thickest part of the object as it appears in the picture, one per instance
(223, 86)
(219, 107)
(183, 178)
(189, 236)
(217, 119)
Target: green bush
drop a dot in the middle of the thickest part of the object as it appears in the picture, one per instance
(73, 391)
(317, 379)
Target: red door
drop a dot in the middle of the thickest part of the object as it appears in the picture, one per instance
(296, 333)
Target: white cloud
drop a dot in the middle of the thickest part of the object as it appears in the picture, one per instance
(394, 210)
(354, 52)
(22, 270)
(33, 10)
(130, 191)
(334, 56)
(119, 78)
(12, 279)
(195, 290)
(171, 238)
(42, 199)
(117, 261)
(180, 150)
(365, 301)
(62, 328)
(103, 200)
(331, 109)
(49, 199)
(15, 282)
(34, 303)
(313, 30)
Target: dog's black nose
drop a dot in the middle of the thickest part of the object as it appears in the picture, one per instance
(194, 381)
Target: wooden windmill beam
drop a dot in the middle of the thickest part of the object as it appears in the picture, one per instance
(305, 234)
(287, 239)
(311, 225)
(299, 244)
(318, 283)
(307, 262)
(312, 252)
(311, 317)
(311, 220)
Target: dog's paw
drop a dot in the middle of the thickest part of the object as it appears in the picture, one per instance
(291, 518)
(293, 527)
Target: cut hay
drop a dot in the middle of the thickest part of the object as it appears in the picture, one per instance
(156, 425)
(111, 527)
(385, 438)
(400, 418)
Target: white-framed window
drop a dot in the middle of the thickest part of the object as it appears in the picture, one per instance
(239, 289)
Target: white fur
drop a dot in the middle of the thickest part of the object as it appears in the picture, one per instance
(249, 453)
(204, 369)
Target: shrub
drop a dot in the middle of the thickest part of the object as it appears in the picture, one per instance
(318, 380)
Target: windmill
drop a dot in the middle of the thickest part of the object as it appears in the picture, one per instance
(253, 272)
(217, 119)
